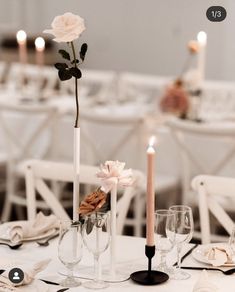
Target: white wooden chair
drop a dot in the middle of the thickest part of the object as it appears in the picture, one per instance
(213, 194)
(125, 140)
(207, 148)
(95, 84)
(217, 101)
(121, 131)
(38, 171)
(28, 132)
(31, 80)
(141, 87)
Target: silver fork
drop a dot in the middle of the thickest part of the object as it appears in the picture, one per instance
(45, 242)
(226, 272)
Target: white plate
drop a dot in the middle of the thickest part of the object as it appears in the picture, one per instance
(5, 229)
(199, 254)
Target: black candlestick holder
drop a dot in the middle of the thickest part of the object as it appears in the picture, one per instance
(149, 277)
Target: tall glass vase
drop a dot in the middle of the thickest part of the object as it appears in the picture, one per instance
(76, 157)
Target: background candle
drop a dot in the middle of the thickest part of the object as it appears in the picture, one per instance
(202, 40)
(22, 43)
(150, 205)
(40, 47)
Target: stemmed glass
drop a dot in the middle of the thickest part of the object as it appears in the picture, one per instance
(231, 243)
(70, 249)
(164, 220)
(96, 236)
(181, 233)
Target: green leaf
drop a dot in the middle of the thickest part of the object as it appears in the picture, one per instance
(107, 205)
(64, 74)
(89, 225)
(60, 66)
(64, 54)
(83, 51)
(75, 72)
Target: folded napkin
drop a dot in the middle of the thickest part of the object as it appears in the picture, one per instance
(219, 255)
(29, 273)
(40, 225)
(204, 285)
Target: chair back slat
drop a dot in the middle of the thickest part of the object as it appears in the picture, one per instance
(214, 194)
(192, 137)
(19, 147)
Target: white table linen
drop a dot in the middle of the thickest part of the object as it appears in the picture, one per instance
(30, 271)
(21, 230)
(130, 255)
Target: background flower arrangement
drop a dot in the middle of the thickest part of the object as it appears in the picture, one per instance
(176, 98)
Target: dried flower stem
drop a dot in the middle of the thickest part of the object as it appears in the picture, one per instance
(186, 66)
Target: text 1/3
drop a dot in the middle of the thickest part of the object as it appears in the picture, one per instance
(216, 13)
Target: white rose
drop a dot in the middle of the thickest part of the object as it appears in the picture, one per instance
(66, 27)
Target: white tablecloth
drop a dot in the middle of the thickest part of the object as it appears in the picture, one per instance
(130, 258)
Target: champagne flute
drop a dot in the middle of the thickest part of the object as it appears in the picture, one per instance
(164, 220)
(96, 236)
(70, 249)
(182, 233)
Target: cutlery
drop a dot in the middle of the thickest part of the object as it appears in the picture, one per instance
(187, 254)
(54, 283)
(12, 246)
(45, 242)
(49, 282)
(227, 272)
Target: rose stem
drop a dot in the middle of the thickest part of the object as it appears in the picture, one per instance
(76, 87)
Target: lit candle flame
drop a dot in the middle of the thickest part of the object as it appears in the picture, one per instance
(40, 44)
(21, 36)
(152, 141)
(202, 37)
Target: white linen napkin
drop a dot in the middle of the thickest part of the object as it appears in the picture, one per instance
(219, 255)
(30, 271)
(204, 285)
(40, 225)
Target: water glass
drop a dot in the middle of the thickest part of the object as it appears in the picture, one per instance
(164, 220)
(96, 236)
(70, 249)
(180, 234)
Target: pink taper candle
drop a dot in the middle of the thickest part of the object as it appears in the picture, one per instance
(40, 47)
(22, 43)
(150, 206)
(202, 40)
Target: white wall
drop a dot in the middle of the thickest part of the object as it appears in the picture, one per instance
(148, 36)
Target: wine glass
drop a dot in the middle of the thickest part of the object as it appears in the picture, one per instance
(164, 220)
(96, 236)
(70, 249)
(231, 243)
(181, 233)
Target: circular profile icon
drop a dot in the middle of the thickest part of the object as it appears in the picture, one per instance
(16, 275)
